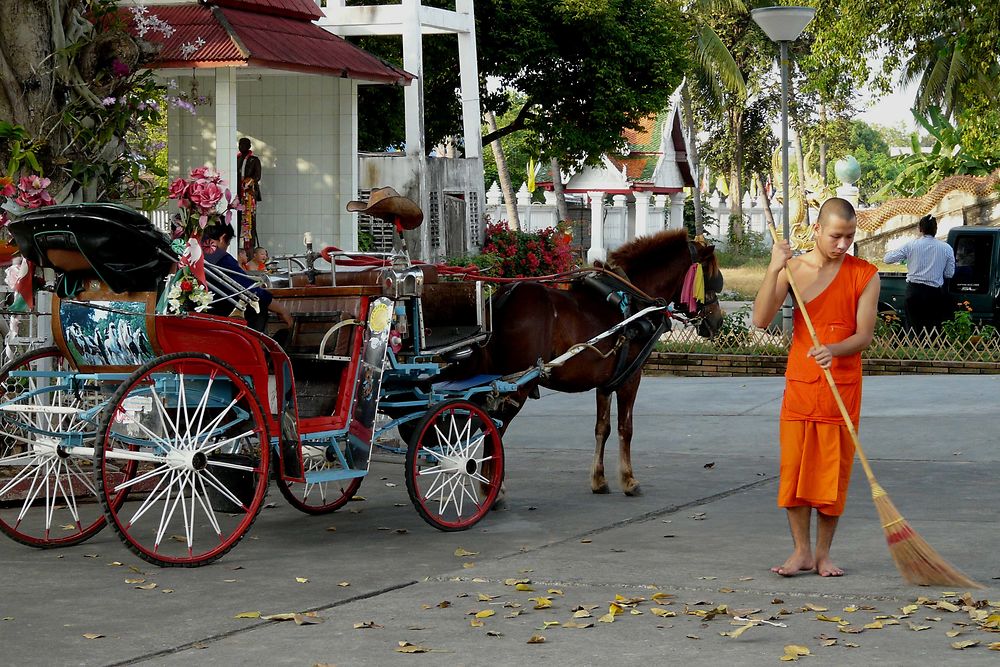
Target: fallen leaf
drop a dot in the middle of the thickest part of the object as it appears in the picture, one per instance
(814, 607)
(536, 639)
(693, 637)
(777, 601)
(493, 633)
(407, 647)
(302, 580)
(464, 553)
(308, 618)
(515, 582)
(331, 529)
(401, 531)
(614, 609)
(607, 618)
(523, 587)
(541, 603)
(708, 578)
(709, 466)
(468, 566)
(574, 624)
(92, 635)
(476, 623)
(167, 590)
(444, 604)
(513, 614)
(585, 541)
(727, 590)
(994, 646)
(366, 625)
(918, 628)
(485, 613)
(390, 484)
(794, 652)
(661, 612)
(548, 624)
(745, 579)
(483, 597)
(953, 633)
(968, 643)
(554, 591)
(147, 587)
(135, 581)
(829, 642)
(850, 609)
(116, 563)
(874, 625)
(661, 596)
(909, 609)
(947, 606)
(852, 645)
(738, 631)
(358, 499)
(831, 619)
(344, 584)
(248, 614)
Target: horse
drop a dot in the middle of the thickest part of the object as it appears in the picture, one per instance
(535, 322)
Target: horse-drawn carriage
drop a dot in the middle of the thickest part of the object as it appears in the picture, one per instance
(171, 426)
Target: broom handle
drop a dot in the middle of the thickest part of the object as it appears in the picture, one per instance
(826, 371)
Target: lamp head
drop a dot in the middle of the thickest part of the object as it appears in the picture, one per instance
(783, 24)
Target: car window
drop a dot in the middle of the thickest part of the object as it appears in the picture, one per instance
(973, 253)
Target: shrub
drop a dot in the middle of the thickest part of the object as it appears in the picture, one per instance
(510, 253)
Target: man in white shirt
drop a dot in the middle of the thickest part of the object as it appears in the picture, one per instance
(929, 262)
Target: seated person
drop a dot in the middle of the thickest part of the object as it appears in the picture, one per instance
(215, 244)
(258, 263)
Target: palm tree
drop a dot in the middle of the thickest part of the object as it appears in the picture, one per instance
(714, 71)
(943, 73)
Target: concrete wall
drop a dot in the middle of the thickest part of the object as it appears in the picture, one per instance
(304, 130)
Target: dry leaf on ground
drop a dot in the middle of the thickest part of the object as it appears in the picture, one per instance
(536, 639)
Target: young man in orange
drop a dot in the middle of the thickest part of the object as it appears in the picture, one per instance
(841, 294)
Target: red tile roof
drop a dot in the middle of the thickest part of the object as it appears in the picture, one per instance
(300, 9)
(252, 37)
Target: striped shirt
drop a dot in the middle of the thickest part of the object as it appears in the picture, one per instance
(928, 261)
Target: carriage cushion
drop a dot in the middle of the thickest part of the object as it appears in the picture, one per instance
(360, 276)
(116, 243)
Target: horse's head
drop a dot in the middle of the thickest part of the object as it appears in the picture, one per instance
(710, 312)
(658, 265)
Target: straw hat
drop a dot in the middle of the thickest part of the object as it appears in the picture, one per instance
(386, 203)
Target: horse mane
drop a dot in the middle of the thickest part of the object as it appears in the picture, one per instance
(647, 252)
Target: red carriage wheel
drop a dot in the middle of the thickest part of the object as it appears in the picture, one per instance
(319, 497)
(47, 494)
(196, 431)
(454, 465)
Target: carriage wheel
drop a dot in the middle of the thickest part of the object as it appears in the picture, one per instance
(197, 433)
(47, 495)
(454, 465)
(319, 497)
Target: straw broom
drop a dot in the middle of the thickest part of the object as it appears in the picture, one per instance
(916, 560)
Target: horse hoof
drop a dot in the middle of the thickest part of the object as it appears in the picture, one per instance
(634, 491)
(603, 488)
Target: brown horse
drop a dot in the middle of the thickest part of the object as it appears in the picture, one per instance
(533, 321)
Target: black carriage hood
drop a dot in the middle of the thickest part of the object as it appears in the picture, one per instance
(122, 246)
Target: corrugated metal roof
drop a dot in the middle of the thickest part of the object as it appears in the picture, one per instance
(241, 37)
(301, 9)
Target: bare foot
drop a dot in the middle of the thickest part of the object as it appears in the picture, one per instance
(826, 568)
(796, 564)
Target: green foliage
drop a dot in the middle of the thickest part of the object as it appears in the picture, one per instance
(518, 148)
(947, 157)
(961, 326)
(588, 68)
(870, 146)
(366, 242)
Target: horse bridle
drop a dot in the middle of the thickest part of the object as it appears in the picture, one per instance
(711, 297)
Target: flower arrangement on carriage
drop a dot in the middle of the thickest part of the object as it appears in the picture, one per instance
(16, 197)
(203, 199)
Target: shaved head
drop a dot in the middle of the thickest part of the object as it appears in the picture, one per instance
(836, 207)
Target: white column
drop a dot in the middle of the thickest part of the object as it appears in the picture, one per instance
(469, 75)
(849, 192)
(641, 213)
(677, 210)
(494, 196)
(413, 62)
(225, 131)
(597, 251)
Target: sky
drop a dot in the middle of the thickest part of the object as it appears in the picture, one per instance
(890, 109)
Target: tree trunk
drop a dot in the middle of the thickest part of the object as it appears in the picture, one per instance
(557, 188)
(693, 160)
(504, 175)
(765, 199)
(735, 206)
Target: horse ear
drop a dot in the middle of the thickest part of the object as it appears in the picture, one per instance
(707, 251)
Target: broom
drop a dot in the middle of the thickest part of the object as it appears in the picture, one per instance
(916, 560)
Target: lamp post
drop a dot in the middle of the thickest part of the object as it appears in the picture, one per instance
(784, 25)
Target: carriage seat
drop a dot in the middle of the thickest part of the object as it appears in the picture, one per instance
(363, 276)
(113, 242)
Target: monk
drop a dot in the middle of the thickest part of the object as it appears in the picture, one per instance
(817, 453)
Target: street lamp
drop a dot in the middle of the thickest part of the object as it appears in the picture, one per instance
(784, 25)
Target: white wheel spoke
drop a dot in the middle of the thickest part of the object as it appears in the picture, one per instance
(231, 466)
(208, 449)
(157, 471)
(206, 504)
(221, 488)
(165, 516)
(153, 496)
(25, 471)
(76, 472)
(34, 489)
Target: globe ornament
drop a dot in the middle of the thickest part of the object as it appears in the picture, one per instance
(848, 170)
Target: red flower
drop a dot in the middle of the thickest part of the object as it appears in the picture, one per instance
(186, 285)
(178, 189)
(205, 195)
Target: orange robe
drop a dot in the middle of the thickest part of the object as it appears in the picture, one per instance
(817, 453)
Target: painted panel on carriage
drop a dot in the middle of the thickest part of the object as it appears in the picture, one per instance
(106, 333)
(376, 342)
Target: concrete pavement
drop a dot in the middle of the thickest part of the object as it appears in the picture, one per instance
(704, 533)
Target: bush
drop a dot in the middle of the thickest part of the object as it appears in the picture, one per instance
(515, 254)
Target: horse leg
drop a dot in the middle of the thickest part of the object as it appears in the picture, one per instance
(626, 394)
(598, 483)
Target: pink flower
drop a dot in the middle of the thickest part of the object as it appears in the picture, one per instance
(205, 174)
(119, 68)
(205, 195)
(33, 192)
(178, 189)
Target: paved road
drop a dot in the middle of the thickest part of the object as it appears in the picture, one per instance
(705, 532)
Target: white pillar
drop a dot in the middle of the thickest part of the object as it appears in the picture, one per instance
(413, 62)
(677, 210)
(642, 213)
(225, 131)
(849, 192)
(597, 251)
(469, 74)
